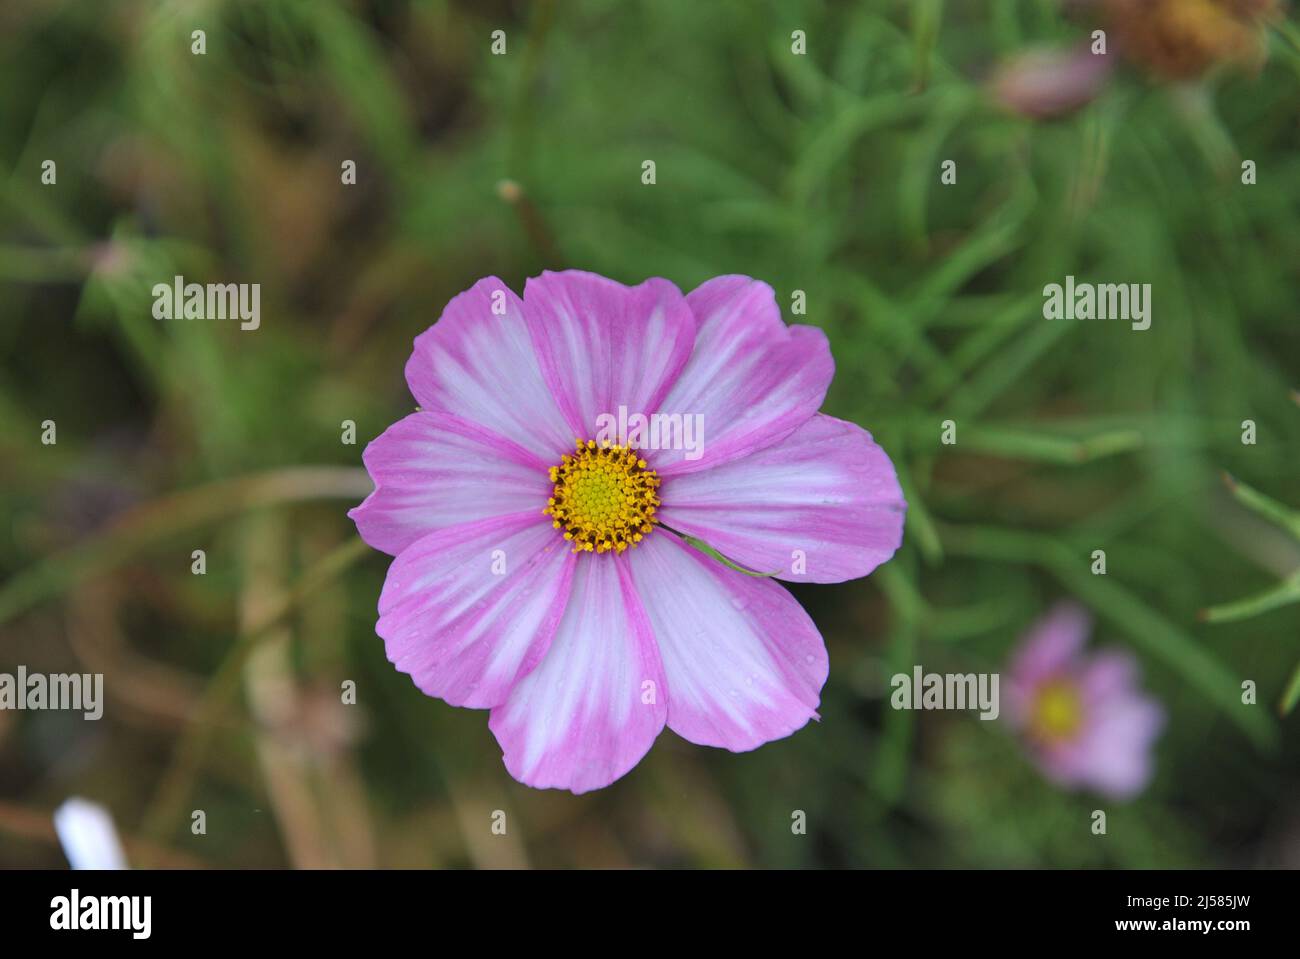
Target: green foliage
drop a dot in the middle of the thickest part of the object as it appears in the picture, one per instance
(817, 173)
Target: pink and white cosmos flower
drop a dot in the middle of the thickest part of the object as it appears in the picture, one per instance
(541, 579)
(1084, 719)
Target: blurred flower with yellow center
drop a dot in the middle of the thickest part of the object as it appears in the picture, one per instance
(1083, 717)
(1057, 712)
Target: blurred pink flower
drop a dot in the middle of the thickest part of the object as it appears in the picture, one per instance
(1044, 83)
(1173, 40)
(541, 579)
(1083, 718)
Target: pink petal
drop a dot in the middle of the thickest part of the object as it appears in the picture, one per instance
(465, 630)
(1117, 756)
(1051, 644)
(591, 710)
(603, 345)
(480, 366)
(826, 490)
(432, 471)
(1108, 675)
(752, 378)
(1045, 83)
(744, 663)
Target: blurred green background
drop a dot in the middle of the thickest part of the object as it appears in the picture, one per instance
(817, 173)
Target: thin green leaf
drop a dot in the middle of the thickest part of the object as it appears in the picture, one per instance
(1265, 506)
(1292, 694)
(706, 549)
(1283, 594)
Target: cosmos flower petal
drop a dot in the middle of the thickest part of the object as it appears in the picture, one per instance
(432, 471)
(753, 379)
(477, 363)
(1107, 675)
(603, 345)
(593, 707)
(827, 490)
(744, 663)
(1116, 758)
(1051, 644)
(469, 610)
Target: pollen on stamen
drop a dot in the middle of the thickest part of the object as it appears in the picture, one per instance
(604, 497)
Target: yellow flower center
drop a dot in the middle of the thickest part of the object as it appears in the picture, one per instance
(604, 497)
(1057, 712)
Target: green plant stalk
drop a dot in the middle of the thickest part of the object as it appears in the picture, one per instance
(890, 766)
(1269, 508)
(696, 543)
(1292, 694)
(1283, 594)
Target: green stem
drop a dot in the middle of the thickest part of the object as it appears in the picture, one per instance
(706, 549)
(1269, 508)
(1292, 694)
(1283, 594)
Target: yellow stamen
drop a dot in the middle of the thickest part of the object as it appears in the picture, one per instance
(1057, 712)
(604, 498)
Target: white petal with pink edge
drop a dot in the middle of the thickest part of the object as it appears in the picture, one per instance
(753, 379)
(593, 707)
(743, 661)
(602, 345)
(470, 610)
(432, 470)
(822, 505)
(477, 363)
